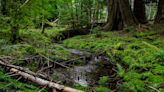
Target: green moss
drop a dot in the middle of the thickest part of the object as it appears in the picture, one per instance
(102, 89)
(104, 80)
(139, 52)
(138, 56)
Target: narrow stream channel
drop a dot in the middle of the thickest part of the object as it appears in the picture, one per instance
(81, 74)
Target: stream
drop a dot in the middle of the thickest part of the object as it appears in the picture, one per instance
(82, 74)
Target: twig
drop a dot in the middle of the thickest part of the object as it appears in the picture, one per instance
(150, 45)
(44, 69)
(153, 88)
(24, 3)
(54, 61)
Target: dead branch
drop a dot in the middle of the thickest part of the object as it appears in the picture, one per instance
(43, 82)
(53, 61)
(22, 69)
(44, 57)
(29, 75)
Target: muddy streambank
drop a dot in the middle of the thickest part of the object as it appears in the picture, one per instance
(84, 68)
(88, 73)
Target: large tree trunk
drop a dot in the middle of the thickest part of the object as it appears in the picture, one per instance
(139, 11)
(119, 15)
(160, 13)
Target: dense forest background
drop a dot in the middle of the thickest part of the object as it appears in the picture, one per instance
(88, 45)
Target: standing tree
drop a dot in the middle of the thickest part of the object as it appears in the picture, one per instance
(119, 15)
(139, 11)
(160, 13)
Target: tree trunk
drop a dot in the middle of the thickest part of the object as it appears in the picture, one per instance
(119, 15)
(160, 13)
(139, 11)
(3, 7)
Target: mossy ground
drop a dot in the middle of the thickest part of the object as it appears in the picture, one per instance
(138, 55)
(30, 43)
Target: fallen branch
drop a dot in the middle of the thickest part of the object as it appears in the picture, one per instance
(43, 82)
(21, 69)
(44, 57)
(53, 61)
(29, 75)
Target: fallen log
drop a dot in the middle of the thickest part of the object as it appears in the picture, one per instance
(29, 75)
(43, 82)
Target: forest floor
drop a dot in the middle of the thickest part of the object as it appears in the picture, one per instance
(136, 58)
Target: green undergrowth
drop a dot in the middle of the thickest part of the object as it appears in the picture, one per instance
(7, 84)
(30, 43)
(139, 57)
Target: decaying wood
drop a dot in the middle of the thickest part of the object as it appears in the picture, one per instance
(21, 69)
(29, 75)
(43, 82)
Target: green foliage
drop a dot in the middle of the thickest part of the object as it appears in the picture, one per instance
(138, 57)
(9, 84)
(24, 13)
(103, 84)
(120, 71)
(77, 86)
(80, 13)
(102, 89)
(103, 80)
(159, 56)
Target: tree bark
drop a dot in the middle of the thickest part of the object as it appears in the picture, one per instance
(160, 13)
(119, 15)
(139, 11)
